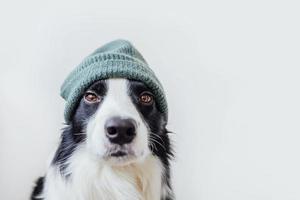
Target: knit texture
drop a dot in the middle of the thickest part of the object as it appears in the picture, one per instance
(117, 59)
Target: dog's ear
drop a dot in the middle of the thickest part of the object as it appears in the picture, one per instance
(38, 188)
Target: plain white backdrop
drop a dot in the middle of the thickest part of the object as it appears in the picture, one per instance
(230, 70)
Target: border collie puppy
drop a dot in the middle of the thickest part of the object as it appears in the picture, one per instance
(115, 146)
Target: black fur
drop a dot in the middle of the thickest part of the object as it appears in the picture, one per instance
(74, 133)
(39, 185)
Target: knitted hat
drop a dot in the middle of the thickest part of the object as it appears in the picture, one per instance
(117, 59)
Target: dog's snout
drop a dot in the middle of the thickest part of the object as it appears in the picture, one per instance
(120, 131)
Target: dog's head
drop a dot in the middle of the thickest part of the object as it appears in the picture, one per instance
(119, 121)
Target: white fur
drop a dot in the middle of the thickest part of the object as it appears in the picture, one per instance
(95, 180)
(94, 176)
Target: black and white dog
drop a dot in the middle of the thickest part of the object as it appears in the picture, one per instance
(116, 147)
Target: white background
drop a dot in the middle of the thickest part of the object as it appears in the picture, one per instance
(230, 70)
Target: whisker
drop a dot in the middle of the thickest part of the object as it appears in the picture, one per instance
(156, 141)
(151, 143)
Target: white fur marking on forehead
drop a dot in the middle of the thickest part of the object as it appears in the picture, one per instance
(118, 99)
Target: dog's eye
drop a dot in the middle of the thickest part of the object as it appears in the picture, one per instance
(91, 97)
(146, 98)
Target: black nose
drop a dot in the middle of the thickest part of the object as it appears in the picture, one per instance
(120, 131)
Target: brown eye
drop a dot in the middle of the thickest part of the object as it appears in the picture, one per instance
(146, 98)
(91, 97)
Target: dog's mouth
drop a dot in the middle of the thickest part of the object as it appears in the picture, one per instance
(119, 154)
(119, 151)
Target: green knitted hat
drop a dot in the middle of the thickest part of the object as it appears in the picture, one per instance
(117, 59)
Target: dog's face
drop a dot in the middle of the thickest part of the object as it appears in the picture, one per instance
(120, 121)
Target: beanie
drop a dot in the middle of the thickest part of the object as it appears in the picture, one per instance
(117, 59)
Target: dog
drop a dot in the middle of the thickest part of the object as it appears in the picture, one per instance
(116, 147)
